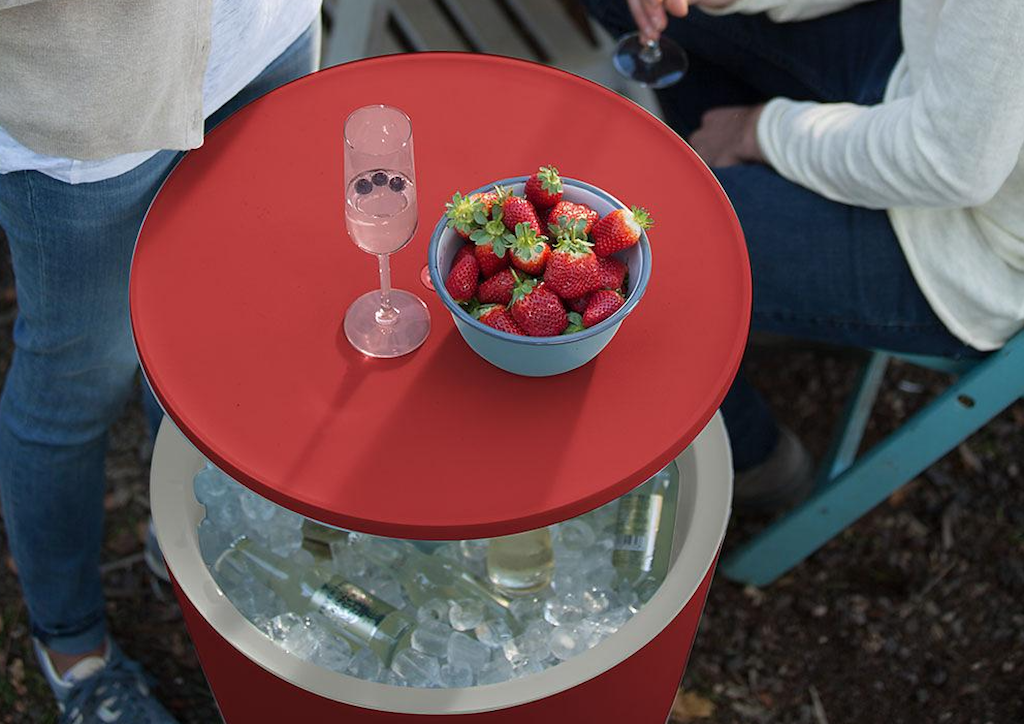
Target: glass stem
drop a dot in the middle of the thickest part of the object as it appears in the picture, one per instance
(651, 52)
(387, 314)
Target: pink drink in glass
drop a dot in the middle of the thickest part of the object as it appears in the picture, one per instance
(381, 217)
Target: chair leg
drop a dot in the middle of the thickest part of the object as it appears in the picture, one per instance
(843, 451)
(961, 410)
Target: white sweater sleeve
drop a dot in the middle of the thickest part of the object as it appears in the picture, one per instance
(784, 11)
(951, 143)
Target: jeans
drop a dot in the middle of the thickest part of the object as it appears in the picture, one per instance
(74, 367)
(822, 270)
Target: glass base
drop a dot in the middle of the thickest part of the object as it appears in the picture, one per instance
(661, 68)
(406, 330)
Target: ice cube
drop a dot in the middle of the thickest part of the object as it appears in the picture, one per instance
(431, 637)
(466, 614)
(300, 641)
(433, 610)
(564, 609)
(531, 644)
(456, 676)
(333, 652)
(567, 641)
(576, 534)
(280, 625)
(284, 540)
(494, 672)
(365, 665)
(417, 668)
(464, 650)
(257, 510)
(474, 550)
(347, 561)
(597, 600)
(527, 608)
(210, 486)
(493, 634)
(525, 667)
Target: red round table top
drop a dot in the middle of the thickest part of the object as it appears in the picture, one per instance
(243, 272)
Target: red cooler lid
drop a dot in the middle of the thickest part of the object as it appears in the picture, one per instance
(243, 272)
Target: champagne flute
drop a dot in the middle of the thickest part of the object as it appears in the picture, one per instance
(653, 63)
(381, 218)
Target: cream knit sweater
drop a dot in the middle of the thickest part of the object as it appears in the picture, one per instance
(943, 153)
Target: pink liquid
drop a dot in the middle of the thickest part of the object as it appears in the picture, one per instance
(381, 219)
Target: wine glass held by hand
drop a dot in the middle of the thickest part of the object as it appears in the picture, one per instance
(381, 218)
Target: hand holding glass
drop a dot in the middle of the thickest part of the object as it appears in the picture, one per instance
(381, 217)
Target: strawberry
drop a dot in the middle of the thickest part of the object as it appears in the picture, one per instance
(463, 277)
(462, 214)
(544, 188)
(537, 309)
(611, 273)
(579, 304)
(620, 230)
(529, 251)
(497, 316)
(491, 241)
(467, 249)
(517, 210)
(572, 269)
(487, 199)
(497, 289)
(601, 305)
(573, 211)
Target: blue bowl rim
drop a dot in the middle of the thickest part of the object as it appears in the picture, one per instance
(639, 287)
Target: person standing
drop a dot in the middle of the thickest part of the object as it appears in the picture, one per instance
(98, 100)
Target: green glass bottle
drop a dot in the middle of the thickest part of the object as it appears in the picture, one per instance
(342, 604)
(645, 527)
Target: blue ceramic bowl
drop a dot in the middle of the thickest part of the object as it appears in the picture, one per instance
(540, 356)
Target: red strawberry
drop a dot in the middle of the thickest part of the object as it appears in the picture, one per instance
(611, 273)
(529, 251)
(463, 251)
(517, 210)
(602, 304)
(463, 277)
(462, 214)
(497, 316)
(573, 211)
(497, 289)
(487, 199)
(544, 188)
(538, 310)
(489, 261)
(491, 241)
(579, 304)
(620, 230)
(572, 269)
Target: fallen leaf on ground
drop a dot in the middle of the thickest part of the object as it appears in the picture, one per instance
(16, 672)
(689, 706)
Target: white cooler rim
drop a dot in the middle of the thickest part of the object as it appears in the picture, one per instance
(706, 485)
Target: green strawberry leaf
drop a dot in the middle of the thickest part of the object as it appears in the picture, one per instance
(479, 217)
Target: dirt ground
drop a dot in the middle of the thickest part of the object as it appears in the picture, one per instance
(915, 614)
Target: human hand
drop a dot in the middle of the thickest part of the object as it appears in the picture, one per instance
(728, 136)
(651, 17)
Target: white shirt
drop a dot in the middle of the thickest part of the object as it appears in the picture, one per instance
(943, 153)
(246, 37)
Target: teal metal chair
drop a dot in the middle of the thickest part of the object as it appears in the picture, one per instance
(848, 486)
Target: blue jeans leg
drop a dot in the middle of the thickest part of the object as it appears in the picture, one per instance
(826, 272)
(73, 368)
